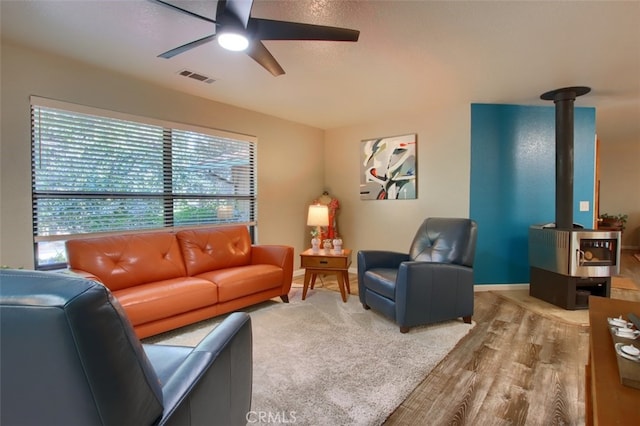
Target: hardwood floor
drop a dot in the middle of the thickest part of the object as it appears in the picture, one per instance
(630, 266)
(514, 367)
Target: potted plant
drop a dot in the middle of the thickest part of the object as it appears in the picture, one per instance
(612, 221)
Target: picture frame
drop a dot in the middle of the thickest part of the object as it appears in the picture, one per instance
(388, 168)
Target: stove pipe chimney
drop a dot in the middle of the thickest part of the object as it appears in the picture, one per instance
(563, 99)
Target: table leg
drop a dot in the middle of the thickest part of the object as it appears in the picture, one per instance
(346, 281)
(313, 280)
(341, 285)
(307, 278)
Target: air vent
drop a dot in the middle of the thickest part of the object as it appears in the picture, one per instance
(196, 76)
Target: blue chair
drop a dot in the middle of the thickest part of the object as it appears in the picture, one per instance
(431, 283)
(70, 357)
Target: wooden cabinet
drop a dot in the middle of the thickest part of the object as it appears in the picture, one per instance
(607, 401)
(325, 262)
(321, 263)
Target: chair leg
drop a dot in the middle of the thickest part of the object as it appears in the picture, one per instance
(467, 319)
(404, 329)
(365, 306)
(285, 298)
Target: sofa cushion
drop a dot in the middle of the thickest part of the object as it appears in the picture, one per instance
(163, 299)
(382, 281)
(237, 282)
(215, 248)
(128, 260)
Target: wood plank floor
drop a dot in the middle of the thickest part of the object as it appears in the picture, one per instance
(630, 266)
(514, 368)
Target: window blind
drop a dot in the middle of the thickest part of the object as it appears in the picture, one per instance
(97, 172)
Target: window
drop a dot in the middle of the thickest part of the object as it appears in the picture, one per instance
(97, 172)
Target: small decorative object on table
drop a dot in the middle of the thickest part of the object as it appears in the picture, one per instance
(627, 354)
(337, 245)
(315, 241)
(327, 246)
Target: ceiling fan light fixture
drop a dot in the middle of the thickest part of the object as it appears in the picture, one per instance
(237, 30)
(234, 41)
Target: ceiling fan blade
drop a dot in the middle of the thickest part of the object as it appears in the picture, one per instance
(240, 9)
(179, 9)
(267, 29)
(261, 55)
(178, 50)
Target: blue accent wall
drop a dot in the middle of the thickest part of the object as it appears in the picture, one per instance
(513, 182)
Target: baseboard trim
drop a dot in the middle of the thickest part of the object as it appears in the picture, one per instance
(476, 288)
(497, 287)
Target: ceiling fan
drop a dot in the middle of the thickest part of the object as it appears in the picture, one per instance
(234, 24)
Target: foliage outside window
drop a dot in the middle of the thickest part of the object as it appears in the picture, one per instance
(98, 172)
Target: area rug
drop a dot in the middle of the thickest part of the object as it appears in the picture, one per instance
(322, 361)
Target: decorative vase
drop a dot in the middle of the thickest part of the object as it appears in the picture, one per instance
(337, 245)
(315, 245)
(327, 246)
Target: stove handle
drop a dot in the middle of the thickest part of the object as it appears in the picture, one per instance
(580, 257)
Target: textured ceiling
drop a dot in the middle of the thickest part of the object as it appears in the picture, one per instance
(411, 56)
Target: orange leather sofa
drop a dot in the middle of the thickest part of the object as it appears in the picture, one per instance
(166, 280)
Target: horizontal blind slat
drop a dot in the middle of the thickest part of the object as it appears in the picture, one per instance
(94, 174)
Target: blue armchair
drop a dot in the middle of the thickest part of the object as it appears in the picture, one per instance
(431, 283)
(71, 357)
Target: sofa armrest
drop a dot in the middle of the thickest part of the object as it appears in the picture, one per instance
(446, 289)
(212, 384)
(84, 274)
(280, 256)
(369, 259)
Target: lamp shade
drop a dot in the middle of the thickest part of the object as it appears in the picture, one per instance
(318, 215)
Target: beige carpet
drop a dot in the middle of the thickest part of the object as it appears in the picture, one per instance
(621, 288)
(324, 362)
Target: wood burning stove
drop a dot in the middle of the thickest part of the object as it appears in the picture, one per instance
(575, 253)
(569, 263)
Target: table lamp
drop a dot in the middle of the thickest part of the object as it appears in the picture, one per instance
(318, 216)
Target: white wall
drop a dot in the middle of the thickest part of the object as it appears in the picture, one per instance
(620, 185)
(290, 167)
(620, 166)
(295, 162)
(443, 152)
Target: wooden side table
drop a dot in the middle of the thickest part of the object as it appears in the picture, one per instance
(322, 263)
